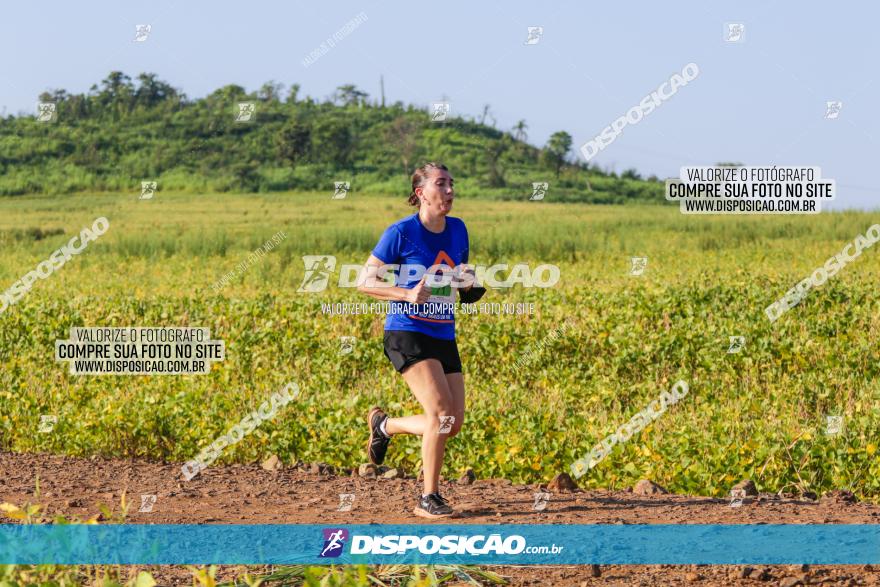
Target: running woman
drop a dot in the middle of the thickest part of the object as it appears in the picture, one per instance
(422, 346)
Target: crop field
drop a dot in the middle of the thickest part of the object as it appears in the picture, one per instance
(760, 413)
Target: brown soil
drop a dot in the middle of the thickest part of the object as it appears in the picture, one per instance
(249, 494)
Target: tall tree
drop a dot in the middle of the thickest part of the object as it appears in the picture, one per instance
(349, 95)
(557, 149)
(294, 142)
(270, 91)
(227, 95)
(486, 114)
(332, 141)
(494, 150)
(519, 130)
(403, 135)
(152, 91)
(293, 94)
(116, 93)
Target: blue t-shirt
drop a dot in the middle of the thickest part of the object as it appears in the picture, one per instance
(408, 242)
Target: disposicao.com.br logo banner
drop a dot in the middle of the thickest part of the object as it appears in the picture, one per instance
(456, 543)
(499, 544)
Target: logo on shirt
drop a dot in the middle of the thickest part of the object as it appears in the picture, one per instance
(442, 294)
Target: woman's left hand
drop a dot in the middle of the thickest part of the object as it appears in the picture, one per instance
(465, 276)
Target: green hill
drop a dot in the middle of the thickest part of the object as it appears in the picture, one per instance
(123, 132)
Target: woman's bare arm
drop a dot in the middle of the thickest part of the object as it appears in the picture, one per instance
(370, 283)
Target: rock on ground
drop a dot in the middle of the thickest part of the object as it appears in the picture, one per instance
(840, 496)
(562, 483)
(320, 469)
(648, 487)
(467, 478)
(746, 485)
(367, 470)
(273, 463)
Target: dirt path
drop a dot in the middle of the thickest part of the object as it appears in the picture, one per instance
(249, 494)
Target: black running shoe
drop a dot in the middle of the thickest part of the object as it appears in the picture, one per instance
(377, 446)
(433, 506)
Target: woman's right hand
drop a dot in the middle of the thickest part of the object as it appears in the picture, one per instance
(419, 293)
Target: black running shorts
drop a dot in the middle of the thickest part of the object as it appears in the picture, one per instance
(404, 348)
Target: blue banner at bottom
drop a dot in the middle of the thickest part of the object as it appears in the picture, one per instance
(500, 544)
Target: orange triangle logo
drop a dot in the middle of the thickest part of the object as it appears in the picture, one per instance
(443, 257)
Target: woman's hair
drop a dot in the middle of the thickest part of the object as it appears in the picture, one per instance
(419, 177)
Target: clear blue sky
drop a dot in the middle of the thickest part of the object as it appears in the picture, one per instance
(761, 102)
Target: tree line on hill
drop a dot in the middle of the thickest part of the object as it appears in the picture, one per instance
(122, 132)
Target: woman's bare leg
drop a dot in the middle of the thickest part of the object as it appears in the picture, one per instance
(416, 424)
(455, 381)
(406, 425)
(428, 383)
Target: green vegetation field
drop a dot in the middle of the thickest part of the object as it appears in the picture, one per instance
(759, 413)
